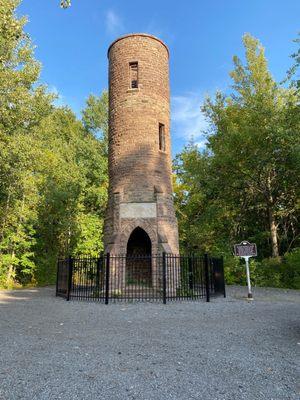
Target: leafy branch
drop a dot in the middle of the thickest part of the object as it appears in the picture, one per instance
(65, 4)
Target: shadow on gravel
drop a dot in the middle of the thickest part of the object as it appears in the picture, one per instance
(8, 297)
(268, 295)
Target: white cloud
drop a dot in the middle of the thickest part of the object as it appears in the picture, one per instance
(153, 29)
(114, 24)
(160, 31)
(188, 122)
(60, 101)
(63, 101)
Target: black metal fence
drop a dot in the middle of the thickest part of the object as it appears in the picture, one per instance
(163, 277)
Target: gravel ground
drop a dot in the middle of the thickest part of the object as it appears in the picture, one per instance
(227, 349)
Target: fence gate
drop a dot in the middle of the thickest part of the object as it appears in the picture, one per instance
(62, 278)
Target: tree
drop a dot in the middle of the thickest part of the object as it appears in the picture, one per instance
(53, 170)
(256, 142)
(294, 70)
(95, 116)
(23, 105)
(245, 184)
(73, 191)
(207, 221)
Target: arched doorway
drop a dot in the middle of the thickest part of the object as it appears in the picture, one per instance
(138, 258)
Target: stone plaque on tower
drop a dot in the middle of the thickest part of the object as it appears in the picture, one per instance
(140, 216)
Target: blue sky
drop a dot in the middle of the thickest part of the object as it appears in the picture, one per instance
(202, 36)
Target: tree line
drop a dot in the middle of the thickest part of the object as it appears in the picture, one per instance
(53, 169)
(245, 184)
(53, 166)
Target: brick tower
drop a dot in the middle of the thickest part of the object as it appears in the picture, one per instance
(140, 217)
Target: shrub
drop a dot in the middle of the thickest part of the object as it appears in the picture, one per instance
(267, 272)
(280, 272)
(234, 271)
(291, 272)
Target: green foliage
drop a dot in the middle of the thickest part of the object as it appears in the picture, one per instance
(291, 274)
(57, 207)
(65, 4)
(245, 184)
(234, 271)
(53, 170)
(293, 72)
(90, 242)
(280, 272)
(95, 115)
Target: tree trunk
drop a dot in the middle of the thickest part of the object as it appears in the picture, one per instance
(11, 271)
(11, 268)
(5, 214)
(272, 222)
(273, 233)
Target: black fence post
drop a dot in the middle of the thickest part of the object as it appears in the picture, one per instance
(164, 271)
(70, 273)
(57, 277)
(206, 269)
(99, 263)
(223, 275)
(107, 278)
(190, 264)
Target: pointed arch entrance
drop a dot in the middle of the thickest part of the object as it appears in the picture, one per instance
(139, 243)
(138, 257)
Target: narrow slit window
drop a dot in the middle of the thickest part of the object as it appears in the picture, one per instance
(162, 138)
(133, 67)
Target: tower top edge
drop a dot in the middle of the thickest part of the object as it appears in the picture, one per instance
(138, 34)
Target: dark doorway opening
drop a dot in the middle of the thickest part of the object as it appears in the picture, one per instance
(138, 258)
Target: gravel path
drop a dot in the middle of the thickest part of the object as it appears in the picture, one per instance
(229, 349)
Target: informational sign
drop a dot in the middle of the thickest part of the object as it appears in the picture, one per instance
(245, 249)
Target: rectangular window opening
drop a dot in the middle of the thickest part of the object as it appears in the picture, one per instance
(133, 67)
(162, 138)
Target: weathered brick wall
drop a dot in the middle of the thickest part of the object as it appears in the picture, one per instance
(138, 170)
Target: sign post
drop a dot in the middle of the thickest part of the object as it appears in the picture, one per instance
(246, 250)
